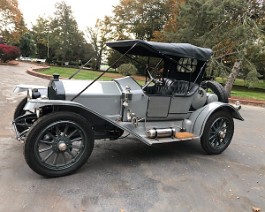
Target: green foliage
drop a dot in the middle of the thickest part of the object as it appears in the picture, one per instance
(115, 59)
(58, 38)
(27, 45)
(127, 69)
(99, 36)
(66, 41)
(230, 28)
(12, 25)
(42, 35)
(140, 18)
(251, 78)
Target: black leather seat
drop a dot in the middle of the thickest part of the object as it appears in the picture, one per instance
(173, 87)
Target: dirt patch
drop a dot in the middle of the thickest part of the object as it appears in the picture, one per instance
(12, 62)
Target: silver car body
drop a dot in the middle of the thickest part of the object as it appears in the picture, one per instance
(137, 115)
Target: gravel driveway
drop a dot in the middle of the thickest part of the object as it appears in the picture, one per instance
(127, 175)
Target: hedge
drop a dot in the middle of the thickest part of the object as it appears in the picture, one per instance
(8, 53)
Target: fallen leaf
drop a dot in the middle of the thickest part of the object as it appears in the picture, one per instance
(254, 209)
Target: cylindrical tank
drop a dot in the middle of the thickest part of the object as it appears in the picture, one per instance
(161, 132)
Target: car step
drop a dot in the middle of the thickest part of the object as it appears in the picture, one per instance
(179, 136)
(182, 135)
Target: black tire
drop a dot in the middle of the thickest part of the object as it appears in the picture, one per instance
(218, 132)
(58, 144)
(218, 89)
(19, 109)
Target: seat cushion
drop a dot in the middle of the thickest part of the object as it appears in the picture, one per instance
(174, 87)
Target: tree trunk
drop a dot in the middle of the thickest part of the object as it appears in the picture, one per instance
(232, 77)
(98, 63)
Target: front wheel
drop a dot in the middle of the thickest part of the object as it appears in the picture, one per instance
(58, 144)
(218, 132)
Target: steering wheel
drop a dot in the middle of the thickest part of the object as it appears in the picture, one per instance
(152, 79)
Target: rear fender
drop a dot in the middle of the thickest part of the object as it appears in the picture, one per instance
(200, 117)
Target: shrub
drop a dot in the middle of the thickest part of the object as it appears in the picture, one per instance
(8, 53)
(74, 63)
(127, 69)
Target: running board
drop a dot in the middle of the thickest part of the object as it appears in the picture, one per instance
(141, 132)
(170, 140)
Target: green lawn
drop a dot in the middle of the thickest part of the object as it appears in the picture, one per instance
(67, 72)
(241, 82)
(83, 74)
(242, 92)
(247, 93)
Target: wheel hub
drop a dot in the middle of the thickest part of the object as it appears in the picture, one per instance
(222, 134)
(62, 146)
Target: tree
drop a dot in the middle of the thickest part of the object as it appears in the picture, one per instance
(228, 27)
(42, 35)
(65, 38)
(171, 25)
(12, 23)
(27, 45)
(114, 56)
(140, 18)
(99, 36)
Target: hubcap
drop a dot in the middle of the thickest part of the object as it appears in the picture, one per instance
(62, 146)
(221, 134)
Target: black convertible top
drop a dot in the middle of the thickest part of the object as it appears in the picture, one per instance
(159, 49)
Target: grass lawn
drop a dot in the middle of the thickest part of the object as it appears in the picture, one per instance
(242, 92)
(241, 82)
(85, 74)
(67, 72)
(247, 93)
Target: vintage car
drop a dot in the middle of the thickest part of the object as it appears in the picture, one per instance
(59, 123)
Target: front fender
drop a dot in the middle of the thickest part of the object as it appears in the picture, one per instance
(41, 89)
(34, 104)
(22, 88)
(200, 117)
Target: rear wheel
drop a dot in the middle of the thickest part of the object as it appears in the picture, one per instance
(58, 144)
(218, 132)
